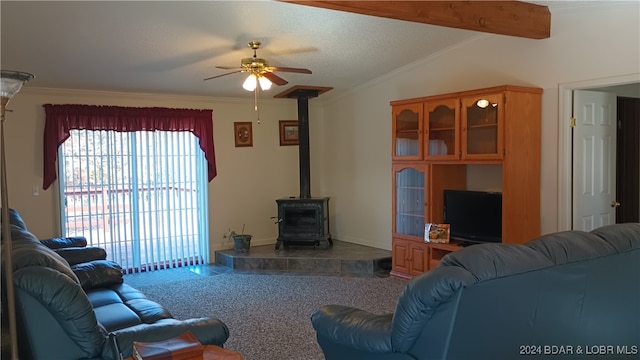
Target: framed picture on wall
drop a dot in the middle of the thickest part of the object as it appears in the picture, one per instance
(288, 132)
(243, 134)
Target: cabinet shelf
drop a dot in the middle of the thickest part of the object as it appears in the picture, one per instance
(414, 131)
(442, 129)
(480, 126)
(410, 214)
(402, 187)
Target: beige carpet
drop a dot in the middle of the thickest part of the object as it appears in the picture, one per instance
(268, 315)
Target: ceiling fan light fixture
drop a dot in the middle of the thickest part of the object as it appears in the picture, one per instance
(265, 84)
(251, 82)
(257, 68)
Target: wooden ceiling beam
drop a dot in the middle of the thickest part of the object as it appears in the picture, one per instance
(513, 18)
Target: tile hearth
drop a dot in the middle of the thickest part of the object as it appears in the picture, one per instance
(343, 258)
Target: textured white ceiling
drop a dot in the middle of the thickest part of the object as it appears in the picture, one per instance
(170, 47)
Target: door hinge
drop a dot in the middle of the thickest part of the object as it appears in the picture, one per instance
(572, 122)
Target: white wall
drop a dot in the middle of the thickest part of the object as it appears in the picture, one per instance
(590, 43)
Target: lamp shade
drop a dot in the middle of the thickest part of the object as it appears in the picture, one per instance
(251, 82)
(11, 82)
(265, 84)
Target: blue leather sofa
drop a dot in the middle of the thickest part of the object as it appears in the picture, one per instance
(71, 303)
(568, 295)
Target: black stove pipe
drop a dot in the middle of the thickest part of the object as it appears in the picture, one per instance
(304, 158)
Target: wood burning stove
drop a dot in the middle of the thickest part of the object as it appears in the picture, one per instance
(303, 221)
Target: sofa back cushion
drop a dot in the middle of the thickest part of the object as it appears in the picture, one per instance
(78, 255)
(621, 237)
(98, 274)
(571, 246)
(489, 261)
(65, 242)
(27, 251)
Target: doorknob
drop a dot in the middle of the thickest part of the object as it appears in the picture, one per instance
(615, 204)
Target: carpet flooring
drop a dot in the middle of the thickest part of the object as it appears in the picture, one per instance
(268, 315)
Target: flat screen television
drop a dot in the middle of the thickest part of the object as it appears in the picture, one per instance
(474, 216)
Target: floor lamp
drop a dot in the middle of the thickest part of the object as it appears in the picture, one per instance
(10, 83)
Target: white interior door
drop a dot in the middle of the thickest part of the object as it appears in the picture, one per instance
(594, 159)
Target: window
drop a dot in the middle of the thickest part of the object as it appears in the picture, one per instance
(141, 195)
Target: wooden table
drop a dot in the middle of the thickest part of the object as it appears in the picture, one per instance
(213, 352)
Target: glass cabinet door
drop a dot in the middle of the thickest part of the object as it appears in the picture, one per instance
(442, 129)
(409, 201)
(407, 132)
(482, 127)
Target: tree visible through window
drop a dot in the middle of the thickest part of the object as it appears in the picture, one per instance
(142, 196)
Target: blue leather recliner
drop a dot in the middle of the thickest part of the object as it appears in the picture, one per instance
(71, 303)
(567, 295)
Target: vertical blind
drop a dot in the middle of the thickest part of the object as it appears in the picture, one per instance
(142, 196)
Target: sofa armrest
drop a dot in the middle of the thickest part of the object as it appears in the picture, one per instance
(66, 242)
(209, 331)
(78, 255)
(354, 328)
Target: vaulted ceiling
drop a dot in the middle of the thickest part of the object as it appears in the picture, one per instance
(171, 46)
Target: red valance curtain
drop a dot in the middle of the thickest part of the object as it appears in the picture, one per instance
(61, 119)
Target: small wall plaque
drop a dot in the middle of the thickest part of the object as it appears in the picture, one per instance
(243, 134)
(288, 132)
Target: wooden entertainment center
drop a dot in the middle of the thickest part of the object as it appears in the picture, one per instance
(444, 142)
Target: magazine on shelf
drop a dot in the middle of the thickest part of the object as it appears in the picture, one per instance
(437, 233)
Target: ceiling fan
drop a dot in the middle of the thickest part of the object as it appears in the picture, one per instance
(259, 71)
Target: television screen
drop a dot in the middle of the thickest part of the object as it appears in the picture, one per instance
(474, 216)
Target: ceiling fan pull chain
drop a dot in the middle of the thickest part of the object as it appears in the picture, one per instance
(256, 103)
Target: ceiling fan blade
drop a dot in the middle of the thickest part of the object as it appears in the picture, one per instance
(275, 78)
(227, 67)
(217, 76)
(288, 69)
